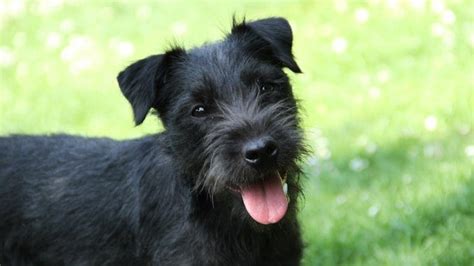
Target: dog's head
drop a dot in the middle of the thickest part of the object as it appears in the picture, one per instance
(230, 114)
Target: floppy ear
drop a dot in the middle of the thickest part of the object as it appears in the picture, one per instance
(141, 82)
(275, 31)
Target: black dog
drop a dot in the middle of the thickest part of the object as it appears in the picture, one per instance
(218, 187)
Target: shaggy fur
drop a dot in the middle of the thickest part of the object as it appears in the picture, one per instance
(169, 198)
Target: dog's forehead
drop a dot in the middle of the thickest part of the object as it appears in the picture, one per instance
(223, 65)
(221, 62)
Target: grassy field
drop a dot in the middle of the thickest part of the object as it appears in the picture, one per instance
(387, 92)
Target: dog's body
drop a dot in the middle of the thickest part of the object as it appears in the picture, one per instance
(206, 191)
(102, 202)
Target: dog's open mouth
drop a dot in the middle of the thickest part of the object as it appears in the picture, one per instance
(266, 201)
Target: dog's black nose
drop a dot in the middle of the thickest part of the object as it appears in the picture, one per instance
(260, 151)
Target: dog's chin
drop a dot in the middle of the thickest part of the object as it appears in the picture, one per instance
(266, 200)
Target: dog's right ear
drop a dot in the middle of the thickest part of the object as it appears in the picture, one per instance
(141, 82)
(274, 32)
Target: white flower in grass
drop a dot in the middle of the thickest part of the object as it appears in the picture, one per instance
(66, 25)
(438, 29)
(341, 199)
(408, 132)
(122, 48)
(314, 133)
(53, 40)
(464, 129)
(373, 210)
(324, 153)
(339, 45)
(469, 150)
(358, 164)
(144, 12)
(75, 44)
(448, 17)
(433, 150)
(48, 6)
(81, 54)
(315, 164)
(80, 65)
(7, 57)
(418, 4)
(437, 6)
(361, 15)
(393, 4)
(383, 75)
(371, 148)
(320, 144)
(340, 6)
(179, 28)
(374, 93)
(11, 8)
(312, 161)
(431, 122)
(448, 39)
(126, 48)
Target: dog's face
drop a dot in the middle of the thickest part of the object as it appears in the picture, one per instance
(230, 113)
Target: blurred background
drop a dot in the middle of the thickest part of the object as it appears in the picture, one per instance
(387, 96)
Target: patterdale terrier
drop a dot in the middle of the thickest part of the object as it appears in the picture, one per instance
(219, 185)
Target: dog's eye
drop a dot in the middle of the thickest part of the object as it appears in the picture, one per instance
(199, 111)
(265, 87)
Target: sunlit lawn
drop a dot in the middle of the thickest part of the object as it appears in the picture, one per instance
(387, 93)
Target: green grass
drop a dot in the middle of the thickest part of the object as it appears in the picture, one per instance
(390, 118)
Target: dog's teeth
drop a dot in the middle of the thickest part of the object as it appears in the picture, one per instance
(285, 188)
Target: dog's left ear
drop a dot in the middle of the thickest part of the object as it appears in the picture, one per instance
(277, 32)
(143, 82)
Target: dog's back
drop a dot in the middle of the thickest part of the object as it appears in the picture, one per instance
(65, 186)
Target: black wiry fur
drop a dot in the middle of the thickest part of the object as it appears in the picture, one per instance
(165, 199)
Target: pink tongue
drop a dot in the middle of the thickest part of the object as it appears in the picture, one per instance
(265, 201)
